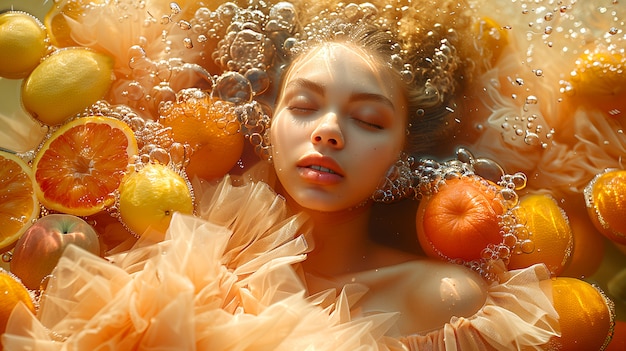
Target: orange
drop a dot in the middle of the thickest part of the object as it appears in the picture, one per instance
(13, 292)
(599, 81)
(79, 168)
(588, 242)
(618, 342)
(212, 131)
(606, 204)
(460, 220)
(18, 202)
(550, 234)
(56, 20)
(586, 315)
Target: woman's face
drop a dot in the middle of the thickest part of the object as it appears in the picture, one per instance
(339, 125)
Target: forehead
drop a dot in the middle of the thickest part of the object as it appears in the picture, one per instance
(337, 62)
(345, 65)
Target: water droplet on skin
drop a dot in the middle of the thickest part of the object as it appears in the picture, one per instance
(613, 31)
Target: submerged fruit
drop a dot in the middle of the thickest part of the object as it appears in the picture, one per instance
(81, 165)
(65, 83)
(13, 292)
(150, 196)
(38, 251)
(18, 202)
(209, 128)
(22, 44)
(550, 234)
(606, 204)
(460, 220)
(586, 315)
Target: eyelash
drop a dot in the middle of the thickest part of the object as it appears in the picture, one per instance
(372, 125)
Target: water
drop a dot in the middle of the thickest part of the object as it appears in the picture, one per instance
(534, 91)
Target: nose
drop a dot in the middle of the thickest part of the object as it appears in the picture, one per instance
(328, 132)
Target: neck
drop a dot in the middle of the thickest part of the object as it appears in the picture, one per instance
(341, 241)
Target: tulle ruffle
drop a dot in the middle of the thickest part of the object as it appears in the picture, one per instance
(517, 315)
(221, 282)
(227, 280)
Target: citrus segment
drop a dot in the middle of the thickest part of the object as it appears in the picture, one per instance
(550, 234)
(460, 220)
(18, 202)
(606, 204)
(581, 307)
(209, 128)
(78, 169)
(65, 83)
(24, 37)
(150, 196)
(13, 292)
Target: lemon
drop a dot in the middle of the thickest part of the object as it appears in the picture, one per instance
(150, 196)
(13, 291)
(65, 83)
(22, 44)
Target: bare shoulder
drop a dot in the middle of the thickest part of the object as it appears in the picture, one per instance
(426, 292)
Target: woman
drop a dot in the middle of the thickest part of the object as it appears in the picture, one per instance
(340, 129)
(226, 280)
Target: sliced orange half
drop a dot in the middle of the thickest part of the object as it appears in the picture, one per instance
(18, 202)
(79, 168)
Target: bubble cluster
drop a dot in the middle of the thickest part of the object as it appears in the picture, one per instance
(429, 175)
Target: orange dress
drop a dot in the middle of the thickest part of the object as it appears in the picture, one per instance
(225, 280)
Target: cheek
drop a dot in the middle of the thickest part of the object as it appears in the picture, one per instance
(285, 137)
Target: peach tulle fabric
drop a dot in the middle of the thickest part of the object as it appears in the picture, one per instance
(225, 280)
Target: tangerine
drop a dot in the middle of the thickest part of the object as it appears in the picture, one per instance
(550, 234)
(581, 307)
(13, 292)
(18, 201)
(606, 203)
(80, 166)
(460, 220)
(208, 126)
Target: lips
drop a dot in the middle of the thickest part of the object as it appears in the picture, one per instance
(320, 170)
(323, 164)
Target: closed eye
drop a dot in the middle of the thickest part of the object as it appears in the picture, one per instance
(368, 124)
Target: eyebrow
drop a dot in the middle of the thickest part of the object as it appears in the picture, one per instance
(321, 90)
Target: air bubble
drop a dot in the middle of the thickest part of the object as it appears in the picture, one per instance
(233, 87)
(531, 100)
